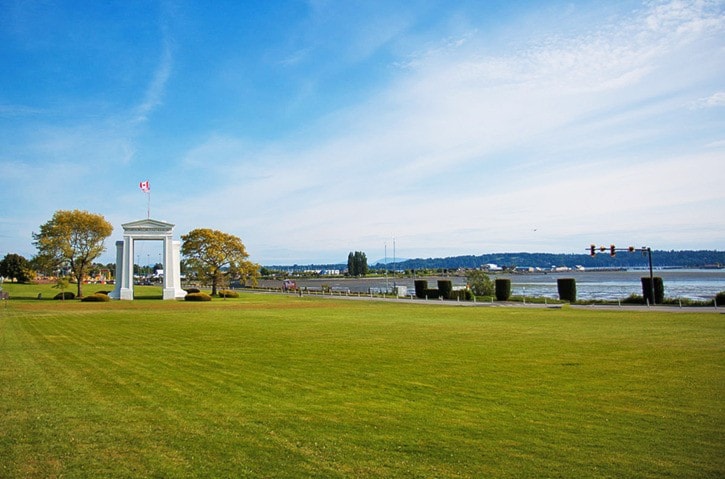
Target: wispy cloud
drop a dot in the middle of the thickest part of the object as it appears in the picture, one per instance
(19, 111)
(463, 139)
(154, 93)
(717, 99)
(436, 125)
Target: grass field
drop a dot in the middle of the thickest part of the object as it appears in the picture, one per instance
(282, 386)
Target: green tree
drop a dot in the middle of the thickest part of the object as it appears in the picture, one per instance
(480, 283)
(16, 268)
(73, 237)
(112, 268)
(361, 263)
(357, 264)
(212, 254)
(351, 264)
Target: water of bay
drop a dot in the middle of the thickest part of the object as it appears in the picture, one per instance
(611, 285)
(695, 284)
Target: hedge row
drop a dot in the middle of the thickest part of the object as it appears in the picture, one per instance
(445, 290)
(503, 289)
(421, 286)
(659, 290)
(567, 289)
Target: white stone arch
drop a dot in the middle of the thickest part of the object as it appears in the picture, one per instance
(148, 229)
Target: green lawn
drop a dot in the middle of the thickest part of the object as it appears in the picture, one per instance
(282, 386)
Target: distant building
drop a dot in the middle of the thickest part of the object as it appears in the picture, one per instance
(491, 267)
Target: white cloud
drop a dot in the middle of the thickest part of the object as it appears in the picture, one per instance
(547, 144)
(566, 101)
(155, 91)
(717, 99)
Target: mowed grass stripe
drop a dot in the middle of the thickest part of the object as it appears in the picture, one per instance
(271, 386)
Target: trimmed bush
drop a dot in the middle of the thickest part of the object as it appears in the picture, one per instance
(431, 293)
(65, 295)
(461, 295)
(445, 286)
(197, 297)
(503, 289)
(659, 290)
(421, 286)
(227, 293)
(720, 298)
(102, 292)
(192, 290)
(567, 289)
(96, 298)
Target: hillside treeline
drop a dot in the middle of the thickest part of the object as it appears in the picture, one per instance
(660, 259)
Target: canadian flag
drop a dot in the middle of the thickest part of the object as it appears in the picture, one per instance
(145, 187)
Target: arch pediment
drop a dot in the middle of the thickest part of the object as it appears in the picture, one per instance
(148, 226)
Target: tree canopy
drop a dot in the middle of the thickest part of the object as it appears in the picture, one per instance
(16, 268)
(215, 256)
(357, 264)
(74, 238)
(480, 283)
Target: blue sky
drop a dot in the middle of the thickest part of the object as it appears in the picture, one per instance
(314, 128)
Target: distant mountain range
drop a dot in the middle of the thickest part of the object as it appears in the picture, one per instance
(660, 259)
(389, 261)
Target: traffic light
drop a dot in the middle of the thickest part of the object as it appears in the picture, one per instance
(612, 250)
(593, 250)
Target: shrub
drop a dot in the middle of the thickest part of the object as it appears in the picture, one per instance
(102, 292)
(659, 290)
(192, 290)
(480, 283)
(421, 286)
(633, 299)
(567, 289)
(720, 298)
(461, 295)
(503, 289)
(227, 293)
(96, 298)
(431, 293)
(445, 286)
(197, 297)
(65, 295)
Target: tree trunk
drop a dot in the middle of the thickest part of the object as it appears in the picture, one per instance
(79, 278)
(214, 279)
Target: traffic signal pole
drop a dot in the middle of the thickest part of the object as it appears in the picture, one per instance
(631, 249)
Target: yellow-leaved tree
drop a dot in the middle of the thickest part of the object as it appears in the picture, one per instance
(216, 255)
(73, 237)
